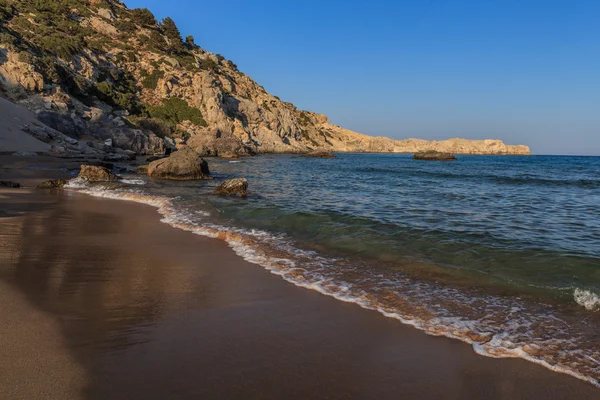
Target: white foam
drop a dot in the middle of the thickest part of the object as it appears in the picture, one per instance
(587, 299)
(133, 181)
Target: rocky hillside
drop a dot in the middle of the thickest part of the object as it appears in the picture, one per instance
(115, 78)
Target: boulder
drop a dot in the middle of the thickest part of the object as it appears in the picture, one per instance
(237, 186)
(154, 158)
(53, 184)
(434, 156)
(184, 164)
(95, 173)
(320, 154)
(10, 184)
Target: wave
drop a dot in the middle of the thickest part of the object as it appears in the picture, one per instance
(589, 300)
(495, 326)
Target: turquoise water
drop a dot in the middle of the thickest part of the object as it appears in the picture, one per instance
(500, 252)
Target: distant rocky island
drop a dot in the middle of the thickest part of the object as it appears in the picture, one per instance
(104, 80)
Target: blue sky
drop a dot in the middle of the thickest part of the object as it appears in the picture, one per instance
(526, 72)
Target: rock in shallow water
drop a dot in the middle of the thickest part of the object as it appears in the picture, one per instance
(434, 156)
(237, 186)
(10, 184)
(53, 184)
(95, 173)
(182, 165)
(320, 154)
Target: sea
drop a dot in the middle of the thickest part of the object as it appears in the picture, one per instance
(500, 252)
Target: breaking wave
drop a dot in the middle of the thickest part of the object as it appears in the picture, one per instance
(587, 299)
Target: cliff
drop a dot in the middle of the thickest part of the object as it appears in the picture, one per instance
(106, 75)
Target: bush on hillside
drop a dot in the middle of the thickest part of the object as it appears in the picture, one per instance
(176, 110)
(150, 81)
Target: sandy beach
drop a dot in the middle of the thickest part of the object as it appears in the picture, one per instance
(102, 300)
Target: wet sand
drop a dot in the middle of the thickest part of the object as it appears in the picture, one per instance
(124, 307)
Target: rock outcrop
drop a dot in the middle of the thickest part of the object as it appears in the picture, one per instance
(433, 155)
(95, 70)
(237, 186)
(181, 165)
(94, 173)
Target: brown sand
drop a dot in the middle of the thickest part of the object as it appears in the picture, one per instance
(152, 312)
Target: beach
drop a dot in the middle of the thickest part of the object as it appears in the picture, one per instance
(124, 306)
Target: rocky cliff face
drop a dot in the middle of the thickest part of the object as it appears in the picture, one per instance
(97, 71)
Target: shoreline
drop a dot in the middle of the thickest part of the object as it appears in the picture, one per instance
(309, 345)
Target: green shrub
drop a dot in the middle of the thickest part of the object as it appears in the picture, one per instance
(161, 128)
(47, 66)
(125, 26)
(208, 64)
(61, 46)
(176, 110)
(5, 38)
(143, 16)
(27, 58)
(150, 81)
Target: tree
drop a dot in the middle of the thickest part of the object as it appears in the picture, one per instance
(170, 30)
(189, 41)
(143, 16)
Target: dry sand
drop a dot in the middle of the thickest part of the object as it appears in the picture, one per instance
(12, 138)
(105, 298)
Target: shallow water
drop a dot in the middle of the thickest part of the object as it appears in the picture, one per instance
(500, 252)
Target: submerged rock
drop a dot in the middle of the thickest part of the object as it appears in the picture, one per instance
(53, 184)
(10, 184)
(320, 154)
(434, 156)
(95, 173)
(237, 186)
(142, 170)
(182, 165)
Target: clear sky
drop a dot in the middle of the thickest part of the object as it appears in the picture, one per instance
(526, 72)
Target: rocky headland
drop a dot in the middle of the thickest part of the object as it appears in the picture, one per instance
(104, 81)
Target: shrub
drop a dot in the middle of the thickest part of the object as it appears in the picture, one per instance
(26, 57)
(161, 128)
(150, 81)
(208, 64)
(47, 66)
(61, 46)
(125, 26)
(5, 38)
(176, 110)
(143, 16)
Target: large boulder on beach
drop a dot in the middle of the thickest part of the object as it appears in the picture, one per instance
(95, 173)
(53, 184)
(434, 156)
(237, 186)
(184, 164)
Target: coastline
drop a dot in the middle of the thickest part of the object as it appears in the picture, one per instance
(221, 327)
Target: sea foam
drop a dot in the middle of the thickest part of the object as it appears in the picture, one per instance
(587, 299)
